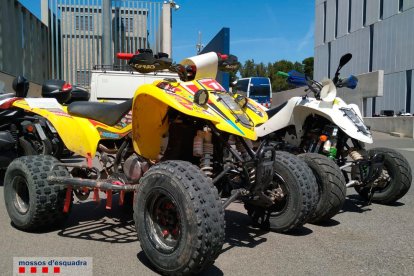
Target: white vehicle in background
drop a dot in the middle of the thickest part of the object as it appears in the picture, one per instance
(256, 88)
(121, 85)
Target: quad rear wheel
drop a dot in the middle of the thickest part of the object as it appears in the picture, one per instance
(179, 218)
(331, 186)
(32, 202)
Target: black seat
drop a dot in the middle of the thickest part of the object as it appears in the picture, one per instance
(107, 113)
(273, 111)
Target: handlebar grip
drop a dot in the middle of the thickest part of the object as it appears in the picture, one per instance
(223, 56)
(126, 56)
(282, 74)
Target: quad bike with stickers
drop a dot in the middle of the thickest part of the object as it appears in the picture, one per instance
(325, 127)
(187, 158)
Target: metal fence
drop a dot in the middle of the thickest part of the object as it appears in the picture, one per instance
(76, 34)
(23, 43)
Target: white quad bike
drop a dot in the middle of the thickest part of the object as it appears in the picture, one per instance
(326, 125)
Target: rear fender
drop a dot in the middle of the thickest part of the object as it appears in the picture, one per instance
(280, 120)
(78, 134)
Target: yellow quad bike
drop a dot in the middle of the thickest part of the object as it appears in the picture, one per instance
(187, 158)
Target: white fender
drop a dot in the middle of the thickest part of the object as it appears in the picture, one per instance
(298, 109)
(281, 120)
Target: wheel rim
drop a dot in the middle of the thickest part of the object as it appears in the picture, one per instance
(163, 221)
(281, 205)
(21, 199)
(382, 183)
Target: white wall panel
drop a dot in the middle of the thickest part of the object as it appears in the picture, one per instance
(357, 8)
(343, 13)
(318, 2)
(390, 8)
(357, 44)
(319, 28)
(321, 62)
(393, 49)
(372, 12)
(408, 4)
(394, 93)
(330, 20)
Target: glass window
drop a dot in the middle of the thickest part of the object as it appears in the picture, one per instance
(260, 87)
(242, 85)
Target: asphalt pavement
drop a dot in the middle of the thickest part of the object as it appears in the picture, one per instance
(360, 240)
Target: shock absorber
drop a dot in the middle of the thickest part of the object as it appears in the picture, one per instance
(355, 155)
(202, 147)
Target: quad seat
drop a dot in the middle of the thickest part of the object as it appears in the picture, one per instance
(107, 113)
(273, 111)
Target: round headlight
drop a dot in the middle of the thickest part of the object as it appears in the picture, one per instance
(201, 97)
(241, 100)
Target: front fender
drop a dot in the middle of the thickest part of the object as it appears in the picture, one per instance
(333, 114)
(150, 122)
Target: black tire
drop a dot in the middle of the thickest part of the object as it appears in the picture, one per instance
(331, 186)
(299, 185)
(400, 174)
(25, 148)
(31, 202)
(187, 233)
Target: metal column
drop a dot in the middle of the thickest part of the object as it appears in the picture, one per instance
(106, 35)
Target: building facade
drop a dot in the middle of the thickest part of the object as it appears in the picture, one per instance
(380, 36)
(81, 37)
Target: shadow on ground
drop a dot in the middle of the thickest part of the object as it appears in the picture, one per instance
(91, 221)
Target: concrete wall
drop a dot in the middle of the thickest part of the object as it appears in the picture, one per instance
(23, 43)
(403, 125)
(35, 89)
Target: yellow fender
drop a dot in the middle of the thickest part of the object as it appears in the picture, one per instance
(79, 135)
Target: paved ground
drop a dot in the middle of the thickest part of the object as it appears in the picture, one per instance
(361, 240)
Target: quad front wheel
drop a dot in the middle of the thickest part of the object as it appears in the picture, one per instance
(331, 186)
(393, 182)
(179, 218)
(32, 202)
(300, 195)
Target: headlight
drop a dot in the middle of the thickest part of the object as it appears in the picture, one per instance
(201, 97)
(241, 100)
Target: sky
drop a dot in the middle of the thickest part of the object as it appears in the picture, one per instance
(262, 30)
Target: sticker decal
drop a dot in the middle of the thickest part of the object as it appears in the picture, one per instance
(211, 84)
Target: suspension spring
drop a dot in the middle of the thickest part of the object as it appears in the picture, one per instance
(206, 163)
(356, 155)
(242, 150)
(204, 148)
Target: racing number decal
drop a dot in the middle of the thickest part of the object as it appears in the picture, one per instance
(211, 84)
